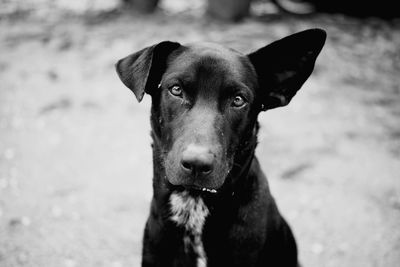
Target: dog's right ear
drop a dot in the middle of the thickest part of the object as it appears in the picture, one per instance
(141, 71)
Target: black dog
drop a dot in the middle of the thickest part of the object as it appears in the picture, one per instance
(211, 203)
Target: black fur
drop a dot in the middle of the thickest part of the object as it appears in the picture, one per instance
(244, 227)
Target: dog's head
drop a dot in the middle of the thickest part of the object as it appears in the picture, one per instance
(206, 98)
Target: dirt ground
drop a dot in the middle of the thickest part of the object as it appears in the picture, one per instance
(75, 158)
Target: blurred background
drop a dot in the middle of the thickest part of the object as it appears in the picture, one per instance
(75, 158)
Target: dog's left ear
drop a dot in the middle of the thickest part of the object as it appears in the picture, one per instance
(283, 66)
(141, 71)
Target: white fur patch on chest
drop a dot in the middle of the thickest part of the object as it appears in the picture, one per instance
(191, 213)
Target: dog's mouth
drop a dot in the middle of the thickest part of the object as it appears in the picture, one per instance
(212, 191)
(196, 190)
(203, 189)
(200, 190)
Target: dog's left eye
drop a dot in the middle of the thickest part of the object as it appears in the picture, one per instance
(176, 90)
(238, 101)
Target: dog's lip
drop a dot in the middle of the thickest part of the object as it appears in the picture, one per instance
(193, 188)
(201, 189)
(213, 191)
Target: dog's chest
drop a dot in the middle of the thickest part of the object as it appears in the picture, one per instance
(190, 213)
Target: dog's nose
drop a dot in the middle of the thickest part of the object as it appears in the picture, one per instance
(197, 160)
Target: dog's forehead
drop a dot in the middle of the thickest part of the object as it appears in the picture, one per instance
(213, 57)
(213, 49)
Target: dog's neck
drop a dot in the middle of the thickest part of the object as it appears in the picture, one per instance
(239, 175)
(190, 213)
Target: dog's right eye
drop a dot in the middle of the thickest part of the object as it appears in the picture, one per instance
(176, 90)
(238, 101)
